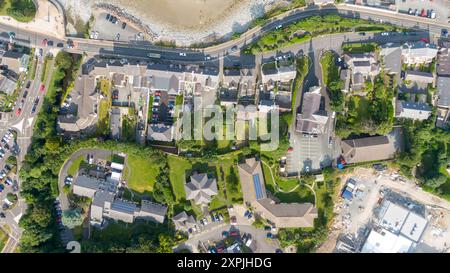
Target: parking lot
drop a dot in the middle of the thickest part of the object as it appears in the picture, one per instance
(105, 29)
(312, 152)
(440, 7)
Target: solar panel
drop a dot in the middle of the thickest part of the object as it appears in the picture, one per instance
(257, 185)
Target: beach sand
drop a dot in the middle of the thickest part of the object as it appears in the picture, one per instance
(183, 21)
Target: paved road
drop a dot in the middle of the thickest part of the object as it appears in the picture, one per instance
(23, 124)
(135, 49)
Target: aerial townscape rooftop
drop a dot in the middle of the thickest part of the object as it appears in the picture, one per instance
(223, 126)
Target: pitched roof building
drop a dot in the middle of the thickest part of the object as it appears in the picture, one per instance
(15, 61)
(281, 214)
(160, 132)
(184, 222)
(312, 119)
(367, 149)
(418, 53)
(443, 87)
(412, 110)
(201, 189)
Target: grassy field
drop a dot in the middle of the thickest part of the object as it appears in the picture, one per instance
(73, 169)
(359, 47)
(3, 239)
(141, 173)
(182, 168)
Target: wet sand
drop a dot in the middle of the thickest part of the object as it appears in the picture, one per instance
(188, 14)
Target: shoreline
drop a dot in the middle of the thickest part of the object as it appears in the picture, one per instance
(235, 18)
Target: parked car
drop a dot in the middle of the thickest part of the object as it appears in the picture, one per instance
(8, 181)
(28, 84)
(233, 220)
(269, 235)
(35, 104)
(108, 16)
(225, 233)
(59, 45)
(234, 48)
(25, 94)
(234, 233)
(68, 180)
(2, 215)
(267, 228)
(124, 25)
(182, 54)
(42, 88)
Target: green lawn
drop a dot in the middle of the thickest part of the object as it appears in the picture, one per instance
(141, 173)
(3, 239)
(73, 169)
(359, 47)
(103, 117)
(178, 166)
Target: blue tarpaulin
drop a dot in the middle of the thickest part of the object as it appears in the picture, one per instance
(347, 195)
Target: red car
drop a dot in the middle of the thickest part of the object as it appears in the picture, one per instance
(290, 150)
(44, 42)
(233, 233)
(18, 111)
(42, 88)
(425, 40)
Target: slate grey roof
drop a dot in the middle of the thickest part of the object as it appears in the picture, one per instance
(443, 86)
(413, 110)
(367, 149)
(312, 119)
(183, 221)
(160, 132)
(201, 189)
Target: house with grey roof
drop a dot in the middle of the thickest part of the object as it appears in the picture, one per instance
(161, 132)
(283, 215)
(313, 117)
(443, 60)
(115, 123)
(391, 55)
(151, 211)
(101, 204)
(368, 149)
(7, 85)
(201, 189)
(86, 186)
(443, 87)
(80, 115)
(15, 61)
(184, 222)
(414, 53)
(363, 67)
(412, 110)
(419, 76)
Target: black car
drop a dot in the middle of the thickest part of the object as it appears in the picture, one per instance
(108, 16)
(35, 104)
(124, 25)
(2, 215)
(28, 84)
(50, 43)
(25, 94)
(60, 45)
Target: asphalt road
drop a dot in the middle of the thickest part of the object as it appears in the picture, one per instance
(23, 125)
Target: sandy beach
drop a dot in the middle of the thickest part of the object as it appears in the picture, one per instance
(183, 21)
